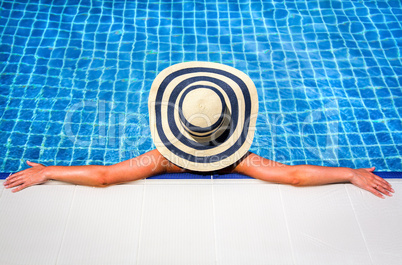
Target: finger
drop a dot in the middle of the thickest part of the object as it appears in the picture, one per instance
(383, 190)
(371, 169)
(11, 181)
(15, 183)
(32, 164)
(23, 186)
(378, 178)
(17, 175)
(13, 176)
(384, 183)
(375, 192)
(388, 187)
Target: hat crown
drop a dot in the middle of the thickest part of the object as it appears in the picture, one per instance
(202, 110)
(202, 114)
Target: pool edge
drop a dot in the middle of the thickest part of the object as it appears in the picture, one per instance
(387, 175)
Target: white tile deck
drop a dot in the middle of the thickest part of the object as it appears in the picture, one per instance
(380, 223)
(200, 222)
(323, 226)
(32, 223)
(177, 225)
(103, 226)
(250, 225)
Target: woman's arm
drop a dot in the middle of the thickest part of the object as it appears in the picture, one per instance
(146, 165)
(306, 175)
(153, 163)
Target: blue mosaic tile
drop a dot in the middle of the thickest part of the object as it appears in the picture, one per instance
(301, 55)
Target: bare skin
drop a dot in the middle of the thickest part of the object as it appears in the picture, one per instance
(153, 163)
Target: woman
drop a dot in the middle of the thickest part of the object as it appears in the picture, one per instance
(153, 163)
(202, 119)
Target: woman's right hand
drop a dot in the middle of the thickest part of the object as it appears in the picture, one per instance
(365, 178)
(28, 177)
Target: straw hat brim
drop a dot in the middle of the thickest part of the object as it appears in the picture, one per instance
(175, 143)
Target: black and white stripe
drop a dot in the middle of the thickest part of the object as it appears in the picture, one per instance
(182, 146)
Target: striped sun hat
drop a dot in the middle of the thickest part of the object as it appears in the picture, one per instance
(202, 115)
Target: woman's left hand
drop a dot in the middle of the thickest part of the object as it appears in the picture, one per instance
(25, 178)
(365, 179)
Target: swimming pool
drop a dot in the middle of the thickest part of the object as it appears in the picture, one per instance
(75, 76)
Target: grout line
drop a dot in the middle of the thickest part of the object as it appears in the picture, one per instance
(358, 223)
(14, 82)
(65, 226)
(141, 222)
(214, 220)
(287, 226)
(1, 188)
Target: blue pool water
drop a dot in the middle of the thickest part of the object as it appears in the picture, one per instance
(75, 76)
